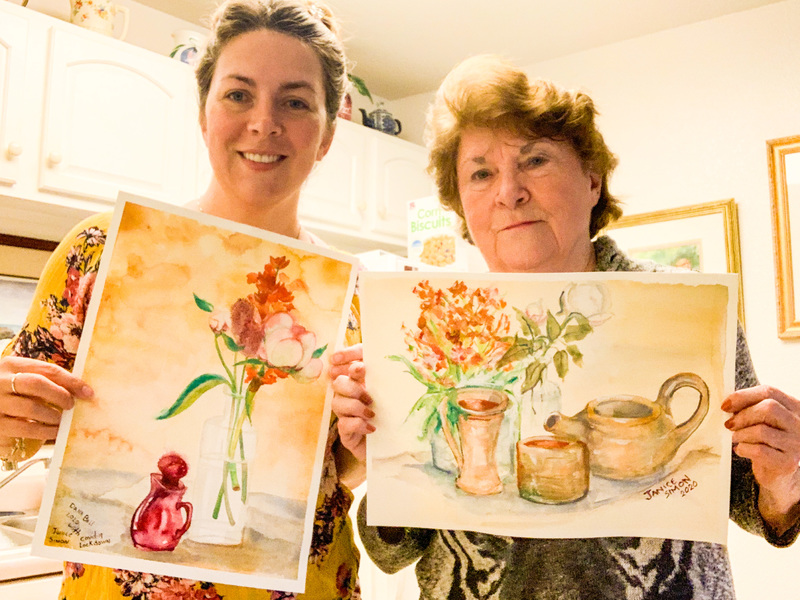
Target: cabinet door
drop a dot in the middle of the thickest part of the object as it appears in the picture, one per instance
(115, 119)
(399, 176)
(13, 43)
(334, 193)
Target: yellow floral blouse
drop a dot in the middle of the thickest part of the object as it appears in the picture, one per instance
(52, 332)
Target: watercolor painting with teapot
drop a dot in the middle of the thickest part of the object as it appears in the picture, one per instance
(560, 405)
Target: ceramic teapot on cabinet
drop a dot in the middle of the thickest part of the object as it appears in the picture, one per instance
(629, 436)
(382, 120)
(98, 15)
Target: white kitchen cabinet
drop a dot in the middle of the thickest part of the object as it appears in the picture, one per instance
(399, 176)
(115, 119)
(83, 116)
(13, 44)
(335, 193)
(363, 185)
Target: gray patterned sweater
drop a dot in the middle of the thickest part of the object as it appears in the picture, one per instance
(463, 565)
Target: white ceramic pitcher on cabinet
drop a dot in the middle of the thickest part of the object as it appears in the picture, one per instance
(99, 15)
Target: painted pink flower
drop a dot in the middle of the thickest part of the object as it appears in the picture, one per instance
(220, 320)
(290, 345)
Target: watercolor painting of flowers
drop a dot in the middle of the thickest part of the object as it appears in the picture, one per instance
(459, 340)
(206, 344)
(266, 343)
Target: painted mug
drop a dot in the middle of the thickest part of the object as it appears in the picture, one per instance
(98, 15)
(552, 470)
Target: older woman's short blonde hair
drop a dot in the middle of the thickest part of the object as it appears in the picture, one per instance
(487, 91)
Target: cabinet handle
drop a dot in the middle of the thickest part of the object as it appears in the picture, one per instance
(13, 150)
(54, 158)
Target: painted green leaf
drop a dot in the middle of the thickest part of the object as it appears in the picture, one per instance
(561, 361)
(533, 376)
(249, 401)
(553, 328)
(196, 388)
(519, 349)
(230, 344)
(253, 362)
(577, 356)
(575, 333)
(528, 324)
(413, 370)
(319, 351)
(203, 304)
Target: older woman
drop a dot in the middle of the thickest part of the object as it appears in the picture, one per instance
(270, 85)
(523, 164)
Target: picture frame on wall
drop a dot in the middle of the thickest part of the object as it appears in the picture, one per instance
(703, 237)
(784, 179)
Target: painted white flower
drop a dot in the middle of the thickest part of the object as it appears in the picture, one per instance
(592, 300)
(536, 312)
(289, 345)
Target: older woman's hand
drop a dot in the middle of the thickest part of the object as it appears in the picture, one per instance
(351, 400)
(33, 395)
(766, 429)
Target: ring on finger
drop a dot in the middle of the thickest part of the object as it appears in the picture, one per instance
(14, 387)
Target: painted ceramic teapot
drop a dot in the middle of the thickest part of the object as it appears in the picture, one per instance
(98, 15)
(382, 120)
(630, 436)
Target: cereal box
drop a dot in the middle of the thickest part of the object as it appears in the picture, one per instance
(434, 241)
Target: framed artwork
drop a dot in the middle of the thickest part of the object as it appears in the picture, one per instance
(704, 237)
(200, 455)
(550, 405)
(784, 179)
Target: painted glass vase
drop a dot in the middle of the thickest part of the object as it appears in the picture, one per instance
(227, 447)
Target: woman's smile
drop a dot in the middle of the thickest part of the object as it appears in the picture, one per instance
(263, 158)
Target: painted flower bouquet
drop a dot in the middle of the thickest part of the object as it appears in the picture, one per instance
(459, 339)
(547, 339)
(258, 340)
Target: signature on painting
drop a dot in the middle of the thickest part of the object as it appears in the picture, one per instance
(673, 487)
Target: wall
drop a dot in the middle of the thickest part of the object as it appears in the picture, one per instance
(688, 111)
